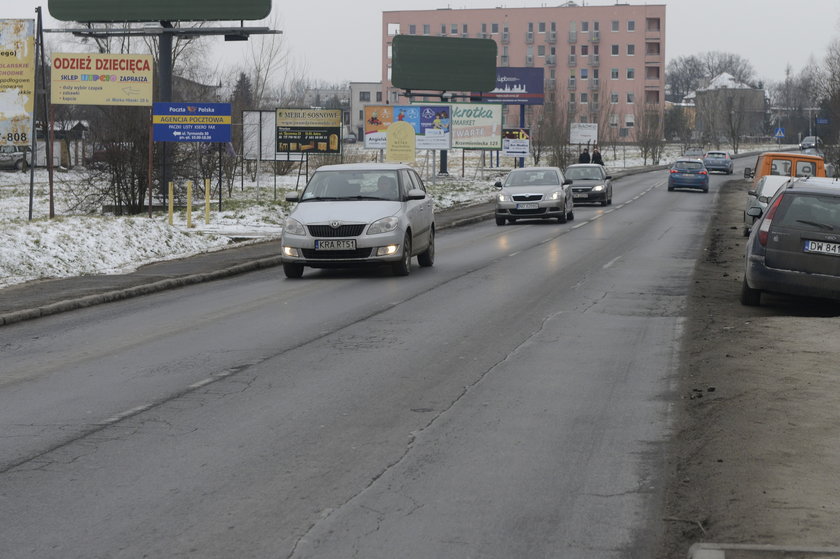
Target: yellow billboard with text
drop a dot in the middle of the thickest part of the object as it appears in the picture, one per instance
(17, 80)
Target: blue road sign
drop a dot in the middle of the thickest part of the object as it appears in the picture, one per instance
(779, 133)
(191, 122)
(822, 120)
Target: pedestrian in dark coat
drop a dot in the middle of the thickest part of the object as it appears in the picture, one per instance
(584, 156)
(596, 157)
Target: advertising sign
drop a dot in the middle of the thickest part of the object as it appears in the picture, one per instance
(518, 86)
(191, 122)
(101, 79)
(308, 130)
(402, 143)
(17, 80)
(516, 142)
(476, 126)
(583, 133)
(432, 126)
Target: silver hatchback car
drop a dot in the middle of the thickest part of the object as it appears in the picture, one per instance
(535, 193)
(359, 214)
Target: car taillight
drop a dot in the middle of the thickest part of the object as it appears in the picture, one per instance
(765, 224)
(674, 171)
(704, 172)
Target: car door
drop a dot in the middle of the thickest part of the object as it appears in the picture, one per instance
(420, 213)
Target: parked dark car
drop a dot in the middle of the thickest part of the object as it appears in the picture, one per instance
(590, 183)
(688, 173)
(718, 161)
(794, 248)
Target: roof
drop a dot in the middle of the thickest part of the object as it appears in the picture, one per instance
(364, 167)
(817, 185)
(790, 154)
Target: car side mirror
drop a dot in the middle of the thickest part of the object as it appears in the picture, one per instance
(498, 184)
(292, 196)
(748, 173)
(608, 177)
(416, 194)
(567, 181)
(754, 211)
(751, 192)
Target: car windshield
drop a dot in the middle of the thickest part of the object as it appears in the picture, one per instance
(352, 185)
(820, 212)
(688, 165)
(532, 178)
(584, 173)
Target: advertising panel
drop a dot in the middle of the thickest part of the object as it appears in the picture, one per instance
(431, 124)
(516, 142)
(518, 86)
(477, 126)
(102, 79)
(17, 80)
(191, 122)
(308, 130)
(583, 133)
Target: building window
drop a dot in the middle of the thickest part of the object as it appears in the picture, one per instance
(378, 96)
(530, 27)
(412, 29)
(494, 28)
(443, 29)
(652, 72)
(584, 27)
(631, 50)
(653, 24)
(614, 98)
(614, 26)
(427, 29)
(584, 73)
(629, 120)
(631, 98)
(614, 50)
(614, 73)
(361, 114)
(541, 27)
(464, 29)
(541, 50)
(483, 28)
(596, 26)
(454, 28)
(584, 98)
(613, 120)
(631, 25)
(584, 50)
(651, 97)
(631, 73)
(364, 96)
(393, 29)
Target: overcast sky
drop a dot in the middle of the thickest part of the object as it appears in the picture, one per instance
(338, 40)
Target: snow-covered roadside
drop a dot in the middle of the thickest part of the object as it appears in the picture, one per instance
(74, 245)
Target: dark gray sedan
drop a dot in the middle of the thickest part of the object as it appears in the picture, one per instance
(590, 184)
(718, 161)
(794, 248)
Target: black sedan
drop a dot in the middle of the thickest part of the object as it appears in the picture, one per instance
(590, 183)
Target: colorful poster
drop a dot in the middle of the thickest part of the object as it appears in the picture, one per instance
(102, 79)
(191, 122)
(308, 130)
(516, 142)
(432, 125)
(17, 80)
(517, 86)
(476, 125)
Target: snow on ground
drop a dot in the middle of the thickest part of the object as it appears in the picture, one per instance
(75, 244)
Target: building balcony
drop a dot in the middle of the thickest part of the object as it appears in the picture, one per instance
(572, 85)
(595, 37)
(572, 60)
(595, 84)
(505, 38)
(551, 60)
(595, 60)
(551, 37)
(529, 37)
(529, 61)
(573, 36)
(504, 61)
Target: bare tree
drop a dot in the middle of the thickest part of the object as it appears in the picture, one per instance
(649, 134)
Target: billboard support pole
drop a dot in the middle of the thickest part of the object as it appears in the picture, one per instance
(151, 157)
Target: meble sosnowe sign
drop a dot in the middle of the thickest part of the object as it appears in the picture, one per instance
(191, 122)
(102, 79)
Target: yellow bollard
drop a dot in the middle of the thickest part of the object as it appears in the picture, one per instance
(171, 201)
(206, 201)
(189, 205)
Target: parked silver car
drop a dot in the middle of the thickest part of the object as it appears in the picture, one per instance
(767, 186)
(590, 183)
(14, 157)
(534, 193)
(794, 248)
(359, 214)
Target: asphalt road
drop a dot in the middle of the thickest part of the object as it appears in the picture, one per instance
(512, 401)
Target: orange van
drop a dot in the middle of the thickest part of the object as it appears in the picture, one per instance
(790, 164)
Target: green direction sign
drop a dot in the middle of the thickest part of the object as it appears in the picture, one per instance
(158, 10)
(422, 62)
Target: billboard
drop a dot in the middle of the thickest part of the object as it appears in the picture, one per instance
(518, 86)
(191, 122)
(431, 124)
(583, 133)
(102, 79)
(476, 125)
(158, 10)
(17, 80)
(516, 142)
(443, 63)
(308, 130)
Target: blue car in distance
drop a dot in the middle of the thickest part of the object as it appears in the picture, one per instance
(688, 173)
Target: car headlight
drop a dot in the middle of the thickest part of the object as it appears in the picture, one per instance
(598, 188)
(556, 195)
(504, 197)
(384, 225)
(294, 227)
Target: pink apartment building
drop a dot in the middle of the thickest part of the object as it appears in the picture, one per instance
(604, 64)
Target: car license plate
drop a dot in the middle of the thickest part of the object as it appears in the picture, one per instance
(822, 247)
(580, 195)
(335, 244)
(527, 206)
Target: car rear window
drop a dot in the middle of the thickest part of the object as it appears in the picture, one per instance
(688, 165)
(713, 155)
(809, 211)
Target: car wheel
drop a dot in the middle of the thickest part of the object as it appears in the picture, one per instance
(427, 257)
(670, 188)
(706, 189)
(749, 296)
(571, 216)
(292, 270)
(563, 217)
(604, 202)
(21, 165)
(500, 221)
(403, 267)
